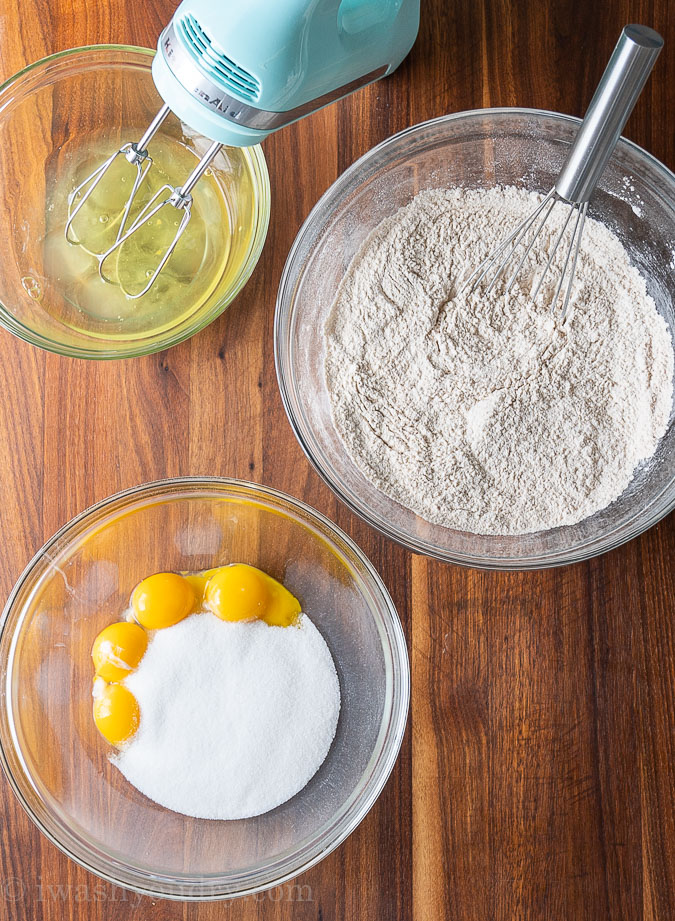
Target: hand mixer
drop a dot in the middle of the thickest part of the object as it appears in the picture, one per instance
(625, 75)
(236, 72)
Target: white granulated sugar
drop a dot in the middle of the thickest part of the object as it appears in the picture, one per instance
(235, 717)
(482, 412)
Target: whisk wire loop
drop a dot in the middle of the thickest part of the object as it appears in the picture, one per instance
(527, 252)
(180, 198)
(581, 218)
(88, 185)
(474, 279)
(519, 236)
(158, 201)
(135, 154)
(142, 172)
(551, 257)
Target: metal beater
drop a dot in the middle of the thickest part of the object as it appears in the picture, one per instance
(622, 82)
(237, 74)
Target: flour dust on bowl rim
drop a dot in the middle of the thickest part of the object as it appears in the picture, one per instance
(81, 580)
(473, 150)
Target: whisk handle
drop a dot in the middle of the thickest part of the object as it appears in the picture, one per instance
(625, 75)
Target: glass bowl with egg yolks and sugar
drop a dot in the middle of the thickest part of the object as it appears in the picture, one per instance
(51, 292)
(66, 775)
(236, 592)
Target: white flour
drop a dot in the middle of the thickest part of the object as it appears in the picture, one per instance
(481, 413)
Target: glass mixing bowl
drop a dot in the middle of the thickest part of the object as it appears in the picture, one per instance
(51, 114)
(480, 149)
(81, 580)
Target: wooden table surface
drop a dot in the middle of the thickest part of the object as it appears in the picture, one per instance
(537, 776)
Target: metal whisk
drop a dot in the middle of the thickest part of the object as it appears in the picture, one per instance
(625, 75)
(136, 154)
(177, 196)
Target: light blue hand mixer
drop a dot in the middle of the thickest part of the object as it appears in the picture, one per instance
(237, 70)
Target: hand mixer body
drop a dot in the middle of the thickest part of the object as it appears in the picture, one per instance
(236, 71)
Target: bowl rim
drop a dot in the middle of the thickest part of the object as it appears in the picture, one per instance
(590, 547)
(261, 185)
(375, 775)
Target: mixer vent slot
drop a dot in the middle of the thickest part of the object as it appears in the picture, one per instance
(221, 68)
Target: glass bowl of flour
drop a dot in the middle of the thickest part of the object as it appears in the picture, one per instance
(60, 767)
(487, 433)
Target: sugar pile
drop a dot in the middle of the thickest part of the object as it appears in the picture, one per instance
(481, 412)
(235, 717)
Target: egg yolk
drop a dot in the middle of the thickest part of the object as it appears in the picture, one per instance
(242, 592)
(116, 712)
(118, 649)
(162, 600)
(199, 580)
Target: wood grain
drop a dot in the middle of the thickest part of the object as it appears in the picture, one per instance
(536, 780)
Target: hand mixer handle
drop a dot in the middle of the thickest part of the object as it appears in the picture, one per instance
(613, 101)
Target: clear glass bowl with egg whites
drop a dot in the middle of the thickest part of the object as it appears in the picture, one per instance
(81, 580)
(61, 117)
(477, 149)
